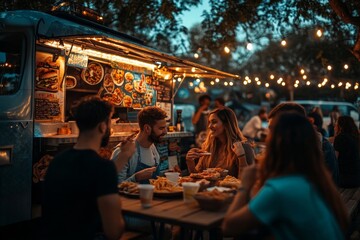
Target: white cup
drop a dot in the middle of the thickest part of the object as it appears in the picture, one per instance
(146, 194)
(172, 176)
(189, 190)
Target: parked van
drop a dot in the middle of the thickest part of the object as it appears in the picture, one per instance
(345, 108)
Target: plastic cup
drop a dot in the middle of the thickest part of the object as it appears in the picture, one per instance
(172, 176)
(190, 189)
(146, 194)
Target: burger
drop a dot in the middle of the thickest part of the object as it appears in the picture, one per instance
(48, 81)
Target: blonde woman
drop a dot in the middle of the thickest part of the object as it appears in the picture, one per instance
(225, 146)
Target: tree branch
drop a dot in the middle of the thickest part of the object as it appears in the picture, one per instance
(343, 12)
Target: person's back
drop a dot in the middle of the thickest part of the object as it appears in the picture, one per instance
(73, 181)
(330, 159)
(293, 209)
(80, 196)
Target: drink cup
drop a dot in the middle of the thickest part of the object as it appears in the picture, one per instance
(190, 189)
(146, 194)
(172, 176)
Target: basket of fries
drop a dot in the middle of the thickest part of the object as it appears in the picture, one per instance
(166, 188)
(213, 200)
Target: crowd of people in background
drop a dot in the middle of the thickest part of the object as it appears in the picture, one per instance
(290, 189)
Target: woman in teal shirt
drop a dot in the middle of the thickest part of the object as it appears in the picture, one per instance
(297, 198)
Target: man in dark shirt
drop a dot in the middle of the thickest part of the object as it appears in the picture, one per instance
(80, 189)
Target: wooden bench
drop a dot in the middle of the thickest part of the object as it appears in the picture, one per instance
(129, 235)
(351, 198)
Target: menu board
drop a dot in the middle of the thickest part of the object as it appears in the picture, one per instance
(164, 90)
(114, 83)
(49, 94)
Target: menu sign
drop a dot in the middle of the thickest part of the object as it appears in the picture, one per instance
(78, 60)
(123, 88)
(164, 90)
(49, 94)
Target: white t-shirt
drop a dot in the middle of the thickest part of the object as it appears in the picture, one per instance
(252, 127)
(149, 156)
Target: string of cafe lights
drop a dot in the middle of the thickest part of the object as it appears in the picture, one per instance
(280, 80)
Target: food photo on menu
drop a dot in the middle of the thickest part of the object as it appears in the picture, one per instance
(121, 87)
(49, 96)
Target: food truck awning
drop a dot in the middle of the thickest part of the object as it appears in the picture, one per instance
(62, 28)
(134, 51)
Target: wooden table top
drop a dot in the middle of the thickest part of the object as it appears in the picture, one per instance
(174, 211)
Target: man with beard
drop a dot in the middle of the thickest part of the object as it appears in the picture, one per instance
(80, 190)
(143, 165)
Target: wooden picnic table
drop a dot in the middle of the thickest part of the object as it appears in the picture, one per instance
(176, 212)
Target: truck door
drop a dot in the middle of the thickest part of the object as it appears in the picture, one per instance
(16, 122)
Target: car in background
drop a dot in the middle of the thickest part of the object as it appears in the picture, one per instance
(345, 108)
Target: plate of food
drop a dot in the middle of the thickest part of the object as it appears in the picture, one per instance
(115, 98)
(108, 83)
(211, 176)
(230, 182)
(129, 86)
(70, 82)
(127, 101)
(129, 76)
(129, 189)
(140, 86)
(213, 200)
(93, 74)
(166, 188)
(117, 76)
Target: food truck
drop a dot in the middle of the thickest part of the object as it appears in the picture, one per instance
(48, 61)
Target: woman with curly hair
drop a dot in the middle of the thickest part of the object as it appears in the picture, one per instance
(225, 146)
(297, 198)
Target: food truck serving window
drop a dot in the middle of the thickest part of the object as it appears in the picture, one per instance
(11, 50)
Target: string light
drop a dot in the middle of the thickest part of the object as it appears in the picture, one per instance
(283, 43)
(329, 67)
(217, 80)
(283, 84)
(226, 49)
(308, 83)
(212, 82)
(304, 77)
(258, 83)
(319, 85)
(196, 55)
(267, 85)
(231, 83)
(319, 33)
(198, 80)
(226, 83)
(346, 67)
(332, 86)
(272, 76)
(302, 71)
(249, 46)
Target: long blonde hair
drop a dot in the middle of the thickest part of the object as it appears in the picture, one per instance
(232, 134)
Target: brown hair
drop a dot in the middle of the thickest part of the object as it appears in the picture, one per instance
(293, 148)
(232, 134)
(286, 107)
(90, 111)
(347, 125)
(150, 115)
